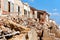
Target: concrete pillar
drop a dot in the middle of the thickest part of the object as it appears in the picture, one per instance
(22, 9)
(31, 16)
(47, 18)
(31, 13)
(35, 14)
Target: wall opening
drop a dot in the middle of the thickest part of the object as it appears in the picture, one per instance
(8, 6)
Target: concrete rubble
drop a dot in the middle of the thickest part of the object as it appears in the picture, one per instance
(22, 28)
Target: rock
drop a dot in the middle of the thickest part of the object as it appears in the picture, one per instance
(32, 35)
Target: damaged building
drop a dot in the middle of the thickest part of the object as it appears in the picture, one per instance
(23, 22)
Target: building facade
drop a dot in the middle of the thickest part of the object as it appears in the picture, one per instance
(3, 6)
(11, 7)
(43, 16)
(18, 8)
(26, 10)
(33, 12)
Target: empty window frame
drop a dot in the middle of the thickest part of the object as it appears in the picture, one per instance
(25, 12)
(8, 6)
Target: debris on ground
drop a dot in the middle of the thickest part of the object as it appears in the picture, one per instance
(20, 28)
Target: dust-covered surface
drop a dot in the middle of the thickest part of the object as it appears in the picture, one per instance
(23, 28)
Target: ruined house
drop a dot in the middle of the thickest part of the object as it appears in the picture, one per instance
(26, 10)
(43, 16)
(33, 12)
(11, 7)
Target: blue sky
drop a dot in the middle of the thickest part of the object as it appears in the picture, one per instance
(51, 6)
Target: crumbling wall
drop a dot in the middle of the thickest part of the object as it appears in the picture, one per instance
(12, 28)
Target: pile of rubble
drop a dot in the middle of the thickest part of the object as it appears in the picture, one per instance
(22, 28)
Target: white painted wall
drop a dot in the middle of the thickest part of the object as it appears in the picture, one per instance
(6, 5)
(27, 8)
(11, 1)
